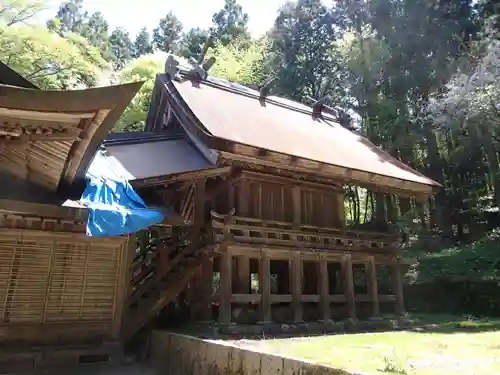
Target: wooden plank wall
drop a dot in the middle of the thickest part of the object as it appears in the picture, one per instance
(273, 199)
(58, 287)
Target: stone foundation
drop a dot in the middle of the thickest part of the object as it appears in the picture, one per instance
(175, 354)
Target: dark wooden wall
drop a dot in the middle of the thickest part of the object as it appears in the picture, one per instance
(272, 198)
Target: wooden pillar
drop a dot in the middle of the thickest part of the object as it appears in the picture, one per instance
(348, 283)
(225, 287)
(243, 197)
(243, 275)
(296, 206)
(371, 280)
(398, 287)
(341, 209)
(324, 288)
(296, 286)
(206, 281)
(265, 287)
(231, 198)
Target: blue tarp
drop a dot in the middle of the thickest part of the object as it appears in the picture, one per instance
(115, 208)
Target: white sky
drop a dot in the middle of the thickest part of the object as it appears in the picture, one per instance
(133, 15)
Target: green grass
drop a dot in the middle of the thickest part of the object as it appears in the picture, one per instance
(458, 346)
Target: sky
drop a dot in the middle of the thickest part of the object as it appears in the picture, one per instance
(133, 15)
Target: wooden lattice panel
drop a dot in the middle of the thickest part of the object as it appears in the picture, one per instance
(52, 278)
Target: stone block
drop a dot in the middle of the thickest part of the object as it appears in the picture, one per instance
(271, 365)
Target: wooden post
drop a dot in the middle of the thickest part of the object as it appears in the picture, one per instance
(265, 287)
(296, 286)
(243, 275)
(341, 209)
(243, 197)
(371, 280)
(225, 287)
(398, 287)
(348, 283)
(296, 206)
(206, 279)
(324, 288)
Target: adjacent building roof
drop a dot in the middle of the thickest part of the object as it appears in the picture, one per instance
(141, 155)
(234, 113)
(10, 77)
(49, 137)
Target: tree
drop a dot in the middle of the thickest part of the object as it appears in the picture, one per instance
(302, 41)
(50, 60)
(230, 23)
(167, 35)
(241, 62)
(94, 28)
(121, 47)
(193, 43)
(142, 43)
(69, 17)
(145, 68)
(17, 11)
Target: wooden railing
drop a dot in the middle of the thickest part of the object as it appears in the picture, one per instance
(157, 260)
(249, 230)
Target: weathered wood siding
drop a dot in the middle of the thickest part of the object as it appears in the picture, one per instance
(270, 198)
(60, 287)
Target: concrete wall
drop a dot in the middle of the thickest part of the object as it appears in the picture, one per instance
(174, 354)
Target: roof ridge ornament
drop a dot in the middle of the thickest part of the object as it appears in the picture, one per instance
(201, 66)
(172, 67)
(267, 87)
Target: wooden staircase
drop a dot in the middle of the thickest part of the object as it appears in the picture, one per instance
(168, 260)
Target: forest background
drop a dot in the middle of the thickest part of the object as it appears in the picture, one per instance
(423, 77)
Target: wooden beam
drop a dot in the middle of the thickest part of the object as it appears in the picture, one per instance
(348, 283)
(339, 174)
(185, 176)
(265, 287)
(296, 286)
(44, 210)
(316, 186)
(223, 186)
(371, 279)
(74, 117)
(324, 288)
(78, 150)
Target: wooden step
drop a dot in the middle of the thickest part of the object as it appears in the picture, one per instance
(151, 306)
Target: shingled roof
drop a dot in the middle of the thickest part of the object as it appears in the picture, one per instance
(49, 137)
(232, 114)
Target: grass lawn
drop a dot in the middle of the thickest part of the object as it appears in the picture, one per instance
(455, 346)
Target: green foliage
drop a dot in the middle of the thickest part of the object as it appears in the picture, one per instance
(478, 260)
(17, 11)
(167, 35)
(230, 24)
(241, 61)
(193, 42)
(50, 60)
(121, 47)
(142, 43)
(144, 68)
(302, 41)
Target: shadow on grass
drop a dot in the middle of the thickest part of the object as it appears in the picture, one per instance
(417, 323)
(452, 324)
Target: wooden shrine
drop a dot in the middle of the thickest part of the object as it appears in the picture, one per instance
(258, 181)
(61, 292)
